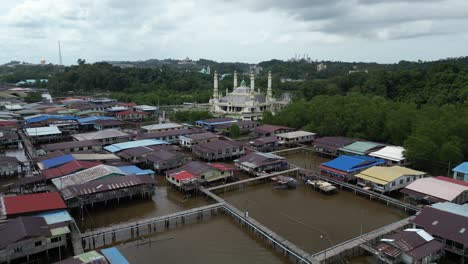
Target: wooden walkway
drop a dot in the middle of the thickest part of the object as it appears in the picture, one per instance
(76, 239)
(287, 150)
(275, 240)
(357, 241)
(134, 230)
(252, 179)
(357, 189)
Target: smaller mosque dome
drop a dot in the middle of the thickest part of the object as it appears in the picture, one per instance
(243, 83)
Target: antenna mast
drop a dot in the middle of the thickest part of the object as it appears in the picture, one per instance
(60, 54)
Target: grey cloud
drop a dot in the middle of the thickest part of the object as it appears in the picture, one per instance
(366, 18)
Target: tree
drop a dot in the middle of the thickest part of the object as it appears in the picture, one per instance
(234, 131)
(81, 61)
(33, 97)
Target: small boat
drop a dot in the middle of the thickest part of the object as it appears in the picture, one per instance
(283, 182)
(323, 186)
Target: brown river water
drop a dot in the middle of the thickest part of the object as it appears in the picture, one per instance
(217, 240)
(164, 201)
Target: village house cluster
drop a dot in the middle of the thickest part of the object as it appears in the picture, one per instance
(84, 151)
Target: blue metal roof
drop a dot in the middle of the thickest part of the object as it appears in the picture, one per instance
(133, 144)
(353, 163)
(56, 217)
(93, 119)
(46, 117)
(114, 256)
(57, 161)
(462, 168)
(135, 170)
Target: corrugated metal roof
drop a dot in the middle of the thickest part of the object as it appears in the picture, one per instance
(296, 134)
(162, 126)
(133, 144)
(361, 147)
(42, 131)
(29, 203)
(352, 163)
(42, 118)
(384, 175)
(271, 128)
(114, 256)
(435, 187)
(22, 228)
(59, 231)
(56, 217)
(95, 156)
(90, 256)
(393, 153)
(68, 168)
(54, 162)
(71, 144)
(103, 134)
(462, 168)
(183, 175)
(93, 119)
(459, 209)
(104, 185)
(87, 175)
(256, 159)
(135, 170)
(443, 224)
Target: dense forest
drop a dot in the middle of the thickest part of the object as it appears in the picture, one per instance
(429, 133)
(420, 105)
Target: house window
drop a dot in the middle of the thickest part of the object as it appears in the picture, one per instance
(408, 179)
(56, 239)
(38, 243)
(401, 181)
(393, 183)
(18, 249)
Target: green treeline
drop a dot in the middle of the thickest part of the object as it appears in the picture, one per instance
(432, 135)
(141, 85)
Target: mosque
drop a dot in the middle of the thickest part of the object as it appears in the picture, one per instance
(244, 102)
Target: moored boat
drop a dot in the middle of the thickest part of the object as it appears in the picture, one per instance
(323, 186)
(283, 182)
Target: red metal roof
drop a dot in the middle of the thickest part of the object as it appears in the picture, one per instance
(452, 180)
(68, 168)
(8, 123)
(222, 166)
(184, 175)
(30, 203)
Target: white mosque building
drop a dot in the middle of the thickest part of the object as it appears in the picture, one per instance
(244, 102)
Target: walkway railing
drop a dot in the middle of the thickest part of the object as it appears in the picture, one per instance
(354, 242)
(372, 194)
(253, 179)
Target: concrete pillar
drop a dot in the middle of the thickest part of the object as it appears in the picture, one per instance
(252, 82)
(215, 86)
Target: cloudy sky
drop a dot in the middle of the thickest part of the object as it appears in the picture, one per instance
(233, 30)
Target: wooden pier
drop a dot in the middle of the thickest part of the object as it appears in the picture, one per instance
(335, 253)
(253, 179)
(135, 230)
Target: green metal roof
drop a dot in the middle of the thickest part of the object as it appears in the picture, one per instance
(89, 256)
(360, 147)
